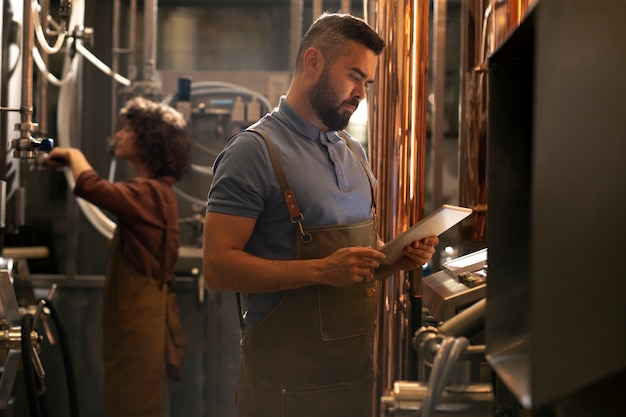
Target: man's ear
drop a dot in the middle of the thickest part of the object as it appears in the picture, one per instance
(313, 61)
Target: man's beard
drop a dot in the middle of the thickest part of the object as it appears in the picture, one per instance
(323, 99)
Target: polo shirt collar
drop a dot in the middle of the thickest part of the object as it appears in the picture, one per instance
(304, 128)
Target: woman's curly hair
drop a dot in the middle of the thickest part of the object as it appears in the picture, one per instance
(161, 137)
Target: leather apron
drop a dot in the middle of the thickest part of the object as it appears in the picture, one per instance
(311, 355)
(134, 326)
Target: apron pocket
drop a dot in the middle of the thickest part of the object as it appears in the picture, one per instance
(339, 400)
(341, 312)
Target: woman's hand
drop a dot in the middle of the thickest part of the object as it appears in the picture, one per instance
(58, 157)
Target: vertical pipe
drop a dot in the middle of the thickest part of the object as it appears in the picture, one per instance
(115, 61)
(132, 41)
(2, 32)
(72, 209)
(150, 39)
(4, 83)
(117, 50)
(345, 6)
(42, 101)
(6, 17)
(516, 11)
(297, 8)
(69, 128)
(397, 151)
(317, 8)
(476, 19)
(26, 109)
(440, 11)
(10, 88)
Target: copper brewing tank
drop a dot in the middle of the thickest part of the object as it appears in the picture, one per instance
(486, 24)
(397, 137)
(397, 145)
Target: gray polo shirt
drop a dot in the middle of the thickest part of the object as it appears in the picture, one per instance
(326, 177)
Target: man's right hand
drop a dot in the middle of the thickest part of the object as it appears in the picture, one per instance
(347, 266)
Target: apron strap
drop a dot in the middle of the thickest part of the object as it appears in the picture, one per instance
(163, 260)
(164, 253)
(290, 199)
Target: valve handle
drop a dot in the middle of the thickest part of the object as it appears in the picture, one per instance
(46, 144)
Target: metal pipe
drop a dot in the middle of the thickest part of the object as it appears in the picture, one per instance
(295, 29)
(72, 209)
(440, 11)
(118, 50)
(42, 102)
(468, 322)
(397, 152)
(26, 110)
(2, 35)
(6, 19)
(475, 18)
(150, 38)
(132, 42)
(115, 61)
(317, 8)
(345, 6)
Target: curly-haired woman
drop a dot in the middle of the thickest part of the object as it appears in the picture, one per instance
(142, 337)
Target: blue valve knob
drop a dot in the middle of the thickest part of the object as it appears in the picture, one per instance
(46, 144)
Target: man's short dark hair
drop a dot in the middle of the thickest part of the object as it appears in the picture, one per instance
(330, 31)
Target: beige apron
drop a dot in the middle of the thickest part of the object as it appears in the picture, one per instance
(311, 356)
(135, 311)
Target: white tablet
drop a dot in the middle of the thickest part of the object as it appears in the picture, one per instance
(434, 224)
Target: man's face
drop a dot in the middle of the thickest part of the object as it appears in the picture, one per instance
(329, 107)
(341, 86)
